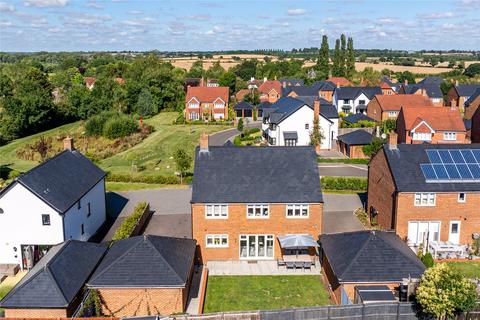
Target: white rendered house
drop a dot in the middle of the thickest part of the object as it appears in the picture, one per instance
(291, 123)
(354, 99)
(60, 199)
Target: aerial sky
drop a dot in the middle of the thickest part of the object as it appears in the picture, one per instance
(181, 25)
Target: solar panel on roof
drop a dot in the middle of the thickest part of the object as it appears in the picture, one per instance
(452, 165)
(445, 156)
(428, 171)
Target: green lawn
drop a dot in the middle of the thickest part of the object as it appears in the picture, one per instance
(124, 186)
(343, 160)
(236, 293)
(470, 269)
(151, 156)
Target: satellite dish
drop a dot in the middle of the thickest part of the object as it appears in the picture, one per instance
(384, 136)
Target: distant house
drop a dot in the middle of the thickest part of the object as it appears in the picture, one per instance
(322, 89)
(244, 110)
(206, 103)
(384, 107)
(192, 82)
(232, 221)
(471, 105)
(354, 99)
(291, 122)
(270, 91)
(53, 288)
(89, 82)
(351, 144)
(460, 93)
(288, 82)
(212, 83)
(388, 86)
(339, 81)
(426, 193)
(60, 199)
(429, 87)
(145, 275)
(240, 95)
(430, 125)
(378, 259)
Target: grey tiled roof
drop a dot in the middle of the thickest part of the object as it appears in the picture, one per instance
(302, 91)
(256, 175)
(62, 180)
(324, 85)
(474, 96)
(405, 160)
(357, 137)
(146, 261)
(370, 256)
(466, 90)
(432, 90)
(57, 278)
(243, 105)
(354, 118)
(353, 92)
(327, 110)
(431, 80)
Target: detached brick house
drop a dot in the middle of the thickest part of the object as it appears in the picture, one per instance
(374, 260)
(53, 288)
(145, 275)
(426, 192)
(384, 107)
(270, 91)
(244, 198)
(460, 93)
(430, 125)
(339, 81)
(428, 87)
(206, 103)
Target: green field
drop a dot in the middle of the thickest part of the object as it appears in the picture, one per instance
(151, 156)
(237, 293)
(470, 269)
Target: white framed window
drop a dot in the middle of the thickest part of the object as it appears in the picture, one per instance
(346, 101)
(218, 116)
(422, 136)
(194, 115)
(424, 199)
(45, 219)
(217, 240)
(219, 105)
(216, 211)
(392, 114)
(450, 136)
(256, 246)
(297, 210)
(306, 126)
(462, 197)
(193, 105)
(258, 211)
(421, 231)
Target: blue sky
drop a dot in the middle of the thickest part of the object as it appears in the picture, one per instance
(72, 25)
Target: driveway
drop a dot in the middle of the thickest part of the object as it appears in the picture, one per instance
(219, 138)
(343, 170)
(338, 213)
(171, 209)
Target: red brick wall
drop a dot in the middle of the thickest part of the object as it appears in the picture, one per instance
(351, 151)
(36, 313)
(453, 95)
(374, 111)
(437, 137)
(142, 302)
(470, 110)
(476, 127)
(446, 209)
(381, 190)
(237, 223)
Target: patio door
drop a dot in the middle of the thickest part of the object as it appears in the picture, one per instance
(256, 246)
(454, 235)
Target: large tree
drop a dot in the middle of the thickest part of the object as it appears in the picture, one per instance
(323, 67)
(350, 61)
(337, 60)
(343, 48)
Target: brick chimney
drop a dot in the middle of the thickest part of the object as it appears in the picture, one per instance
(406, 82)
(453, 104)
(316, 109)
(456, 83)
(68, 143)
(284, 84)
(392, 140)
(204, 142)
(265, 79)
(338, 84)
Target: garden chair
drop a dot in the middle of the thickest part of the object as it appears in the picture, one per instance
(290, 265)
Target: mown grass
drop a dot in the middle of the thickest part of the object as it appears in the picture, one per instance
(470, 269)
(236, 293)
(124, 186)
(346, 160)
(154, 155)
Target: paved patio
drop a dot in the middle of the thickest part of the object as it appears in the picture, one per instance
(257, 268)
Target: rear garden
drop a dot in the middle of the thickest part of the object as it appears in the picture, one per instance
(469, 269)
(235, 293)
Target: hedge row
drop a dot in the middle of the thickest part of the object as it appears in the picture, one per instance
(344, 183)
(343, 160)
(128, 225)
(158, 179)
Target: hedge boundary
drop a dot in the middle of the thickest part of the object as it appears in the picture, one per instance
(344, 183)
(129, 225)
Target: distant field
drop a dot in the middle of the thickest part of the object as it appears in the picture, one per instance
(154, 155)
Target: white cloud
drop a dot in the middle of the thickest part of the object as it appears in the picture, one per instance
(386, 20)
(45, 3)
(139, 22)
(199, 17)
(54, 30)
(5, 23)
(94, 5)
(5, 7)
(439, 15)
(296, 12)
(86, 19)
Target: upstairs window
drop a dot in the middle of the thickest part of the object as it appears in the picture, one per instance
(193, 105)
(424, 199)
(216, 211)
(450, 136)
(45, 219)
(422, 136)
(297, 211)
(392, 114)
(257, 211)
(361, 101)
(219, 105)
(462, 197)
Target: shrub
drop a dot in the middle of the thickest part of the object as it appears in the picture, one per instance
(344, 183)
(240, 125)
(427, 260)
(158, 179)
(13, 174)
(129, 224)
(94, 125)
(120, 126)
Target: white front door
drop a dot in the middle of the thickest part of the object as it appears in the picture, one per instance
(454, 235)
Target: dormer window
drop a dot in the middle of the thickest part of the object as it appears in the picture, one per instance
(193, 104)
(450, 136)
(219, 105)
